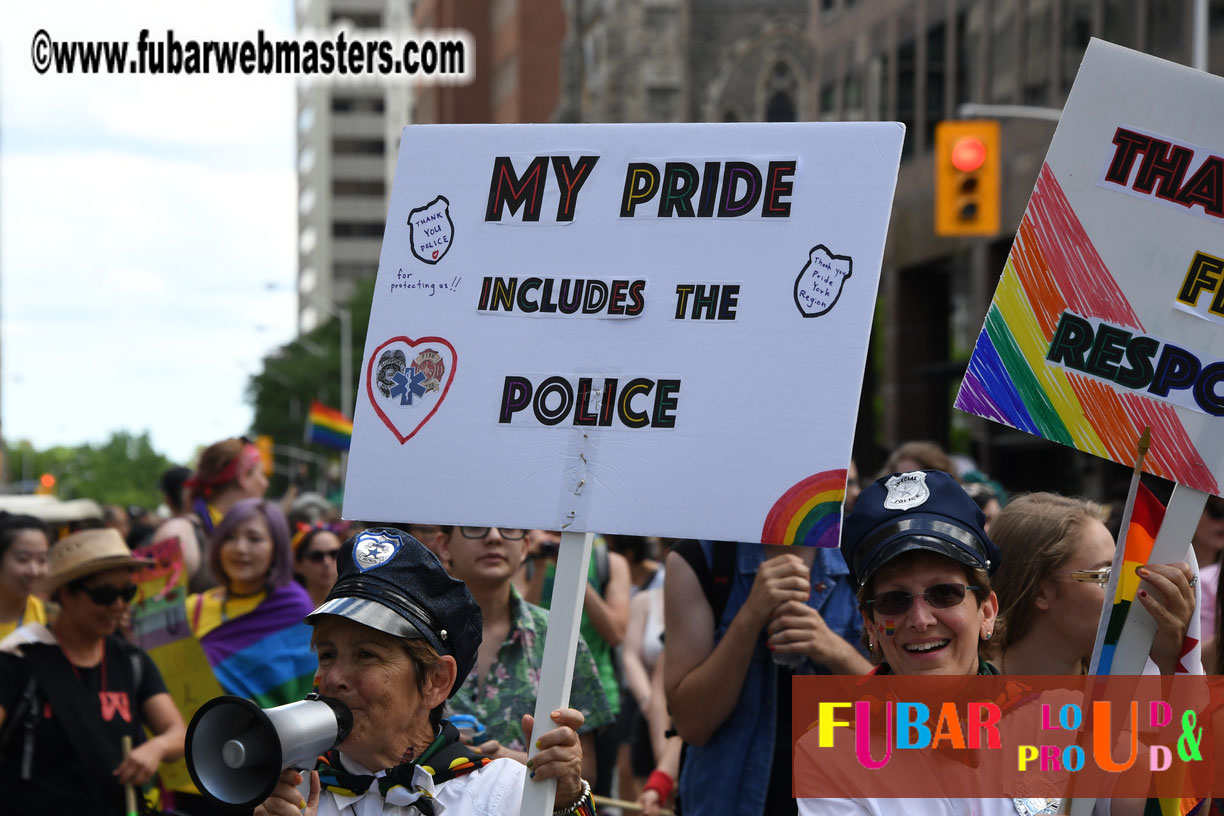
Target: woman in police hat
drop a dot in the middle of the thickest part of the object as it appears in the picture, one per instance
(71, 693)
(394, 640)
(916, 547)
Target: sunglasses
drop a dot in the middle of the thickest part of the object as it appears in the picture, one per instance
(508, 533)
(1092, 576)
(1215, 509)
(319, 556)
(107, 594)
(940, 596)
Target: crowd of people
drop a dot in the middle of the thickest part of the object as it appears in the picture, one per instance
(681, 691)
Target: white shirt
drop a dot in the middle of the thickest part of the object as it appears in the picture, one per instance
(914, 807)
(494, 790)
(935, 807)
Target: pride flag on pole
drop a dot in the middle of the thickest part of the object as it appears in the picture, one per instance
(1145, 520)
(1147, 515)
(327, 426)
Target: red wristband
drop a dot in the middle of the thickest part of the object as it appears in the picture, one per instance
(660, 782)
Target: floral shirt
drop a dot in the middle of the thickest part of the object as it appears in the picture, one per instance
(513, 681)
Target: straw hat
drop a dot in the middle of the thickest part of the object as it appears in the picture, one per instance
(85, 553)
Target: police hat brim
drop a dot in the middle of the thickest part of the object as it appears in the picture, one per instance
(368, 613)
(918, 534)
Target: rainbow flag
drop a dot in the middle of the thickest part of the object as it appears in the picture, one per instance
(265, 655)
(1146, 518)
(327, 426)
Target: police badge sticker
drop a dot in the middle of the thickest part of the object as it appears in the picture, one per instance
(431, 230)
(819, 284)
(373, 549)
(407, 380)
(906, 491)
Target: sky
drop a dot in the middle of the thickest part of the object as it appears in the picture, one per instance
(147, 230)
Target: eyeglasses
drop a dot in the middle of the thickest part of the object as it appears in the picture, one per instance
(107, 594)
(940, 596)
(1092, 576)
(508, 533)
(319, 556)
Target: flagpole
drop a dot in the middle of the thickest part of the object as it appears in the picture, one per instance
(1115, 573)
(1135, 638)
(1145, 442)
(1083, 806)
(346, 380)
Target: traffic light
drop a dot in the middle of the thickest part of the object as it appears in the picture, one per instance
(46, 484)
(967, 177)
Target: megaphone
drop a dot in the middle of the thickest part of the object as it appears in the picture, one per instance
(237, 750)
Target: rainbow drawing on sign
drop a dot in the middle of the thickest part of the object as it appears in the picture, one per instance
(809, 514)
(1054, 267)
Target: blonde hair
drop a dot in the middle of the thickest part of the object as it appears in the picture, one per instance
(1036, 534)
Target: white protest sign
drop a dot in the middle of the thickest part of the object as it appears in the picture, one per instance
(646, 329)
(1103, 322)
(1109, 316)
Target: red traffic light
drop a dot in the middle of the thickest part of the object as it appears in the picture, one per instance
(47, 480)
(968, 154)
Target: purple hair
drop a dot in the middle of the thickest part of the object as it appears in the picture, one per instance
(281, 571)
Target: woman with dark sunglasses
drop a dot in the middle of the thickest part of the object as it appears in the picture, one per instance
(917, 546)
(1058, 553)
(315, 549)
(917, 550)
(72, 693)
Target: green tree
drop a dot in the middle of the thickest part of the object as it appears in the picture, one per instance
(302, 371)
(123, 470)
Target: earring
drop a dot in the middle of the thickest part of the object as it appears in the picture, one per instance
(988, 635)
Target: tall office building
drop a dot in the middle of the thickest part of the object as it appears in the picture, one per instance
(348, 134)
(346, 155)
(517, 61)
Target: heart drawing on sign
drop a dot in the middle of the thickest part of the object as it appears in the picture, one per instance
(406, 381)
(435, 254)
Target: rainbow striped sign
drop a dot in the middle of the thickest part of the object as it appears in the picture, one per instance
(1088, 339)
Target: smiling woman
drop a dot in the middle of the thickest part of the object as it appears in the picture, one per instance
(251, 625)
(23, 561)
(916, 546)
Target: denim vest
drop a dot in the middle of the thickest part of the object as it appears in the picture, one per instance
(727, 776)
